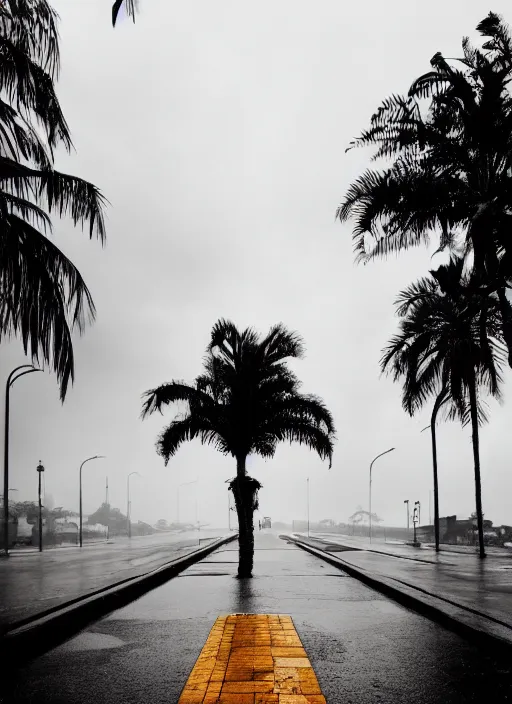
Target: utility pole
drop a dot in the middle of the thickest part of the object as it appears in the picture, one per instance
(407, 502)
(40, 470)
(106, 491)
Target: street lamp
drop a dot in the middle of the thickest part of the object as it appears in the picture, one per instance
(370, 491)
(418, 504)
(129, 525)
(407, 502)
(40, 470)
(415, 520)
(178, 499)
(96, 457)
(29, 368)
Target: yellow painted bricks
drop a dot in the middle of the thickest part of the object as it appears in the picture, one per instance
(252, 659)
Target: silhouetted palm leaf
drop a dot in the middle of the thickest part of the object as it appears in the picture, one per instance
(130, 6)
(42, 295)
(440, 343)
(451, 172)
(247, 400)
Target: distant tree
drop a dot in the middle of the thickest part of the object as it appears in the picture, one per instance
(110, 517)
(246, 402)
(30, 509)
(162, 524)
(360, 516)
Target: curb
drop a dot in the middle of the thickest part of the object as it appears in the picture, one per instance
(471, 624)
(373, 550)
(32, 637)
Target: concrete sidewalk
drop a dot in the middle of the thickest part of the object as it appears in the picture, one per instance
(481, 587)
(402, 549)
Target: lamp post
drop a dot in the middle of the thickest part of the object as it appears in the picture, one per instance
(29, 368)
(415, 520)
(407, 502)
(129, 525)
(40, 470)
(370, 489)
(96, 457)
(178, 499)
(418, 504)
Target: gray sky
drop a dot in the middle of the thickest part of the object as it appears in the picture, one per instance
(217, 131)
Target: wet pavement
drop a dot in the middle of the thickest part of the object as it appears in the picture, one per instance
(465, 579)
(363, 647)
(31, 583)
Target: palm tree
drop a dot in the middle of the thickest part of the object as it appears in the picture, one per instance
(245, 402)
(130, 7)
(451, 171)
(449, 346)
(42, 294)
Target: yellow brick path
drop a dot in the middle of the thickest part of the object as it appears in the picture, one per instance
(252, 659)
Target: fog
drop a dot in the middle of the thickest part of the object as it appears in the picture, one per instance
(217, 131)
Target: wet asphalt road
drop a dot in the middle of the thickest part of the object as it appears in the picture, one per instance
(364, 648)
(33, 582)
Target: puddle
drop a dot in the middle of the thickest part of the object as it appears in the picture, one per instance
(94, 641)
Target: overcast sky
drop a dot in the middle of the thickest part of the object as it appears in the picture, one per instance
(217, 131)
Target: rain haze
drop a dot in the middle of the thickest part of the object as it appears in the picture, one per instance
(217, 131)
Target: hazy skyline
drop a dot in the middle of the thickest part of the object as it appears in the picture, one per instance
(217, 131)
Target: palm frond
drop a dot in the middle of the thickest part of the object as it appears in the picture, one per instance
(129, 5)
(58, 192)
(180, 431)
(31, 89)
(42, 296)
(172, 392)
(31, 25)
(246, 400)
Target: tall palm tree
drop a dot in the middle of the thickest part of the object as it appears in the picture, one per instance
(449, 346)
(451, 171)
(245, 402)
(42, 294)
(129, 6)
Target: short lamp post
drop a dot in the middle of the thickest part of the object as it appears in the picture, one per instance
(415, 521)
(40, 470)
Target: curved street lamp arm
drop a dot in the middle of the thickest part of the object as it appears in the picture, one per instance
(22, 366)
(10, 381)
(382, 453)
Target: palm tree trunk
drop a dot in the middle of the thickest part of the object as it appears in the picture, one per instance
(476, 457)
(437, 405)
(243, 493)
